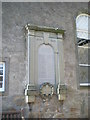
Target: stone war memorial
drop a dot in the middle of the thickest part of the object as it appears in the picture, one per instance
(44, 60)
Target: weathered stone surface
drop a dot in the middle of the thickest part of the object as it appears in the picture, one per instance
(59, 15)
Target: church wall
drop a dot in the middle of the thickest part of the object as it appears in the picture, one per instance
(58, 15)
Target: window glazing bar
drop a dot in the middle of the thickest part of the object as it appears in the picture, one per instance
(84, 84)
(87, 47)
(84, 65)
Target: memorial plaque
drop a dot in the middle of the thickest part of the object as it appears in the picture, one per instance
(46, 72)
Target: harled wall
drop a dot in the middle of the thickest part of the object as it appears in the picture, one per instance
(59, 15)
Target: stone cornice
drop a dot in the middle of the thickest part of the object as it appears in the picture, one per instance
(29, 27)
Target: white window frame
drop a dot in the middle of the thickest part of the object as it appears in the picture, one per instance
(84, 84)
(3, 86)
(86, 31)
(80, 30)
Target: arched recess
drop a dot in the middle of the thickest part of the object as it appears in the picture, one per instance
(46, 64)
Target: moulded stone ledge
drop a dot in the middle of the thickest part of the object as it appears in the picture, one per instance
(43, 28)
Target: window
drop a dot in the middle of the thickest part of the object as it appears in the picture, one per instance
(83, 39)
(82, 26)
(2, 76)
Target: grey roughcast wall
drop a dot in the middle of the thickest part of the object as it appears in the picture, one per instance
(58, 15)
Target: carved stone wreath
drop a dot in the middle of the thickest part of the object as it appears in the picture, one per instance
(46, 90)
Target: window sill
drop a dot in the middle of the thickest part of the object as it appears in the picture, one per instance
(84, 84)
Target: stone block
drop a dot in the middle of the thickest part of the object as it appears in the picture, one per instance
(30, 99)
(30, 92)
